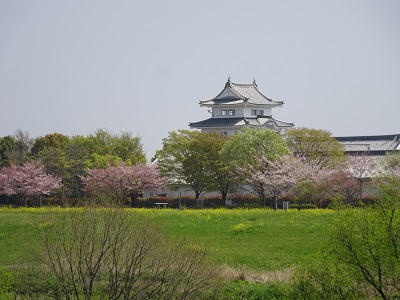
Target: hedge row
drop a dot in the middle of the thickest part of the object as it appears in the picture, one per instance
(242, 201)
(234, 201)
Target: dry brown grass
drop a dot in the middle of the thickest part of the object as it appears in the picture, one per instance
(284, 275)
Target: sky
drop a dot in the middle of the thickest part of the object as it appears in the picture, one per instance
(74, 67)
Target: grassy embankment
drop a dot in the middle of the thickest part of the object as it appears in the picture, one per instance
(260, 240)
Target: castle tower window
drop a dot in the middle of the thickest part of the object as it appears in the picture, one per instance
(223, 112)
(231, 112)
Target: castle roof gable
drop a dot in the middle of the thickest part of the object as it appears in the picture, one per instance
(239, 122)
(235, 93)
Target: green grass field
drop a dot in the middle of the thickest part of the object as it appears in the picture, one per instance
(257, 239)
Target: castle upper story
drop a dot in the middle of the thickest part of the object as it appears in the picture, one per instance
(239, 105)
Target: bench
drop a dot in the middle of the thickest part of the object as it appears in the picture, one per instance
(161, 204)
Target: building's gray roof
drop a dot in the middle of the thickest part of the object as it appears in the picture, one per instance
(243, 93)
(260, 121)
(376, 144)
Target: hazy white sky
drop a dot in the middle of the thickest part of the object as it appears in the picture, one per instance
(142, 66)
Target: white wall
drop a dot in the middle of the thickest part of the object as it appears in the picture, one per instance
(247, 111)
(228, 132)
(216, 112)
(239, 111)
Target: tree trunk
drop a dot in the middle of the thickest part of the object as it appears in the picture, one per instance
(224, 195)
(197, 193)
(134, 197)
(63, 195)
(263, 200)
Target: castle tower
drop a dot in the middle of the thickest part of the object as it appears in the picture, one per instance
(239, 105)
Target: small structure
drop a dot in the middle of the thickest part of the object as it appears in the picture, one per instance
(161, 204)
(285, 205)
(239, 105)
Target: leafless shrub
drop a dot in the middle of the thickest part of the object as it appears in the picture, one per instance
(112, 254)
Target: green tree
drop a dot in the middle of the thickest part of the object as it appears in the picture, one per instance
(23, 144)
(7, 151)
(243, 153)
(70, 158)
(129, 148)
(51, 149)
(54, 140)
(222, 177)
(115, 148)
(248, 145)
(102, 161)
(78, 153)
(58, 163)
(315, 145)
(192, 158)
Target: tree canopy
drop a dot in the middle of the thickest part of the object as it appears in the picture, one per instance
(244, 152)
(30, 179)
(244, 147)
(118, 182)
(71, 157)
(54, 140)
(183, 161)
(124, 147)
(193, 158)
(7, 150)
(315, 145)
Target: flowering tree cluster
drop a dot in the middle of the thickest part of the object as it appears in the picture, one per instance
(121, 181)
(295, 176)
(347, 178)
(280, 177)
(27, 180)
(274, 176)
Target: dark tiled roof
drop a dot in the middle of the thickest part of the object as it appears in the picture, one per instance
(260, 121)
(242, 93)
(378, 144)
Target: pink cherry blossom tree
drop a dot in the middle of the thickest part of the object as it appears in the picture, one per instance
(121, 181)
(348, 178)
(340, 182)
(278, 178)
(288, 176)
(311, 183)
(363, 168)
(27, 180)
